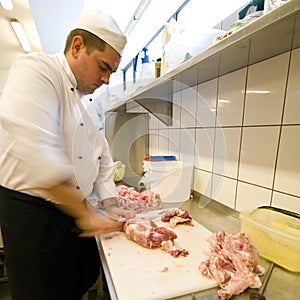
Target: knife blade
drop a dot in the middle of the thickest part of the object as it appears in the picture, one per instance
(106, 214)
(151, 214)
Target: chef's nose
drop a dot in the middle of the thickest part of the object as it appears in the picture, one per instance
(105, 78)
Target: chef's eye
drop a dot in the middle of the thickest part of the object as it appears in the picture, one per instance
(102, 67)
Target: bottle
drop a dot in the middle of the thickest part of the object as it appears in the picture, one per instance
(271, 4)
(157, 68)
(144, 184)
(146, 74)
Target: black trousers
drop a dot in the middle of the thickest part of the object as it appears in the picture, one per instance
(46, 259)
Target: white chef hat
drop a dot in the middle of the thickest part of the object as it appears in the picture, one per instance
(103, 26)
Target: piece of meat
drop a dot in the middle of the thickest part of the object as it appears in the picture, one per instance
(231, 260)
(130, 199)
(169, 247)
(147, 234)
(139, 202)
(176, 216)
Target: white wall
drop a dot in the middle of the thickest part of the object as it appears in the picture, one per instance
(241, 131)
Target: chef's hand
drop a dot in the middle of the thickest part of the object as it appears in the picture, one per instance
(94, 224)
(120, 214)
(115, 212)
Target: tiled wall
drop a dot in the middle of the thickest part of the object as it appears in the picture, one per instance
(242, 133)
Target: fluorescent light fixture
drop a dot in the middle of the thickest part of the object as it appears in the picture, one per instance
(257, 92)
(137, 15)
(223, 101)
(20, 33)
(7, 4)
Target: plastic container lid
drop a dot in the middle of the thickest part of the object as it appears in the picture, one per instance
(160, 158)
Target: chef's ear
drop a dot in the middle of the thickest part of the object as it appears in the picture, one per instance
(77, 44)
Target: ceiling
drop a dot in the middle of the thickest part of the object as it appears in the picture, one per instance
(9, 45)
(48, 22)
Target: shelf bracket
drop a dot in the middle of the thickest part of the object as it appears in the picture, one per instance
(160, 109)
(159, 102)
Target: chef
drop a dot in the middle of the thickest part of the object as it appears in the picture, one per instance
(52, 156)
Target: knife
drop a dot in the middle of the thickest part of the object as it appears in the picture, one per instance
(76, 230)
(106, 214)
(151, 214)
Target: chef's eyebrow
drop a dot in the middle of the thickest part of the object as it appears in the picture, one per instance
(108, 66)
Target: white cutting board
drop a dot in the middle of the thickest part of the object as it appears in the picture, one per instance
(140, 274)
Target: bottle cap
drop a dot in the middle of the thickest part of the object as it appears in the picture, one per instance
(145, 59)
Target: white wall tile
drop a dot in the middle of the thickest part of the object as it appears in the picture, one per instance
(265, 91)
(259, 135)
(204, 148)
(258, 155)
(153, 122)
(177, 83)
(202, 182)
(176, 110)
(188, 107)
(153, 142)
(250, 196)
(162, 125)
(224, 190)
(174, 142)
(163, 141)
(287, 178)
(206, 103)
(187, 145)
(231, 98)
(227, 147)
(286, 202)
(292, 103)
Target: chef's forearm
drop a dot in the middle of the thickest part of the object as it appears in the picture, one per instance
(109, 203)
(67, 199)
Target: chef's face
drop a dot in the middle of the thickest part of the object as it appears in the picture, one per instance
(94, 69)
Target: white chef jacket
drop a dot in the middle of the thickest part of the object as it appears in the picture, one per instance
(46, 135)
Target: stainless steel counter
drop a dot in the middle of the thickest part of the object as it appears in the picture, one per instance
(282, 284)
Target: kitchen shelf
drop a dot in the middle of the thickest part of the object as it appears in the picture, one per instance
(271, 34)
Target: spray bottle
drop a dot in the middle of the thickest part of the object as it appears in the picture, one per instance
(146, 74)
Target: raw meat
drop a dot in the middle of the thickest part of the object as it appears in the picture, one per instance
(139, 202)
(232, 261)
(176, 216)
(130, 199)
(147, 234)
(169, 247)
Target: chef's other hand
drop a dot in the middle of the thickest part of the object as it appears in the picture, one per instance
(94, 224)
(111, 205)
(120, 214)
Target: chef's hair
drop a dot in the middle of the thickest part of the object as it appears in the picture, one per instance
(91, 41)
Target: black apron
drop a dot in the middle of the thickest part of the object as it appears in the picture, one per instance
(46, 259)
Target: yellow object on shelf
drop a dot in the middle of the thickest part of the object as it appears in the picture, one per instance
(119, 171)
(275, 234)
(157, 68)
